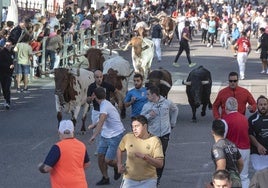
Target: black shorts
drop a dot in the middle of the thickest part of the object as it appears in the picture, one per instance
(264, 54)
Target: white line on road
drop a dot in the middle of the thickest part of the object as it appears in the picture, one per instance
(39, 144)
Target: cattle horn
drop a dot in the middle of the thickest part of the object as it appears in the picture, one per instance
(188, 83)
(165, 83)
(205, 82)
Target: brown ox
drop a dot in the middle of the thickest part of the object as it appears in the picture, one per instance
(168, 25)
(71, 92)
(117, 81)
(116, 71)
(160, 78)
(95, 58)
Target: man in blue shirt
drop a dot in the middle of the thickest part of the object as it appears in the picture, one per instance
(136, 97)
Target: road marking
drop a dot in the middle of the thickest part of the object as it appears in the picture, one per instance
(40, 143)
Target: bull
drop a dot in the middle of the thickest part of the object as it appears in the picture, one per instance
(160, 78)
(71, 92)
(168, 25)
(142, 54)
(116, 71)
(198, 90)
(96, 57)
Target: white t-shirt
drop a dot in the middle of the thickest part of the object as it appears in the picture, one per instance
(112, 126)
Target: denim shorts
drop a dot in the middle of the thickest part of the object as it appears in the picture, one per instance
(23, 69)
(108, 146)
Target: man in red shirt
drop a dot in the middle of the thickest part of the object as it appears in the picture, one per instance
(242, 95)
(243, 49)
(237, 132)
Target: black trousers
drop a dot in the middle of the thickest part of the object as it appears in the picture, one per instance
(164, 140)
(5, 81)
(184, 46)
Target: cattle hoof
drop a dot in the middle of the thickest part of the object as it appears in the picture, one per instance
(203, 113)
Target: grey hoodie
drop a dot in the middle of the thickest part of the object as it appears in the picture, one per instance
(166, 117)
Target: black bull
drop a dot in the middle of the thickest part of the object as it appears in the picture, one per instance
(160, 78)
(198, 90)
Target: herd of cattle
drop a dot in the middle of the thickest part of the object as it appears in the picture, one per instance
(71, 83)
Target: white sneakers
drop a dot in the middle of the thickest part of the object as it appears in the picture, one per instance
(192, 65)
(176, 64)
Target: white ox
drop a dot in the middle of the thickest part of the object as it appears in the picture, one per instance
(142, 54)
(71, 92)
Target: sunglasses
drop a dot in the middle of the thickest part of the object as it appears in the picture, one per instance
(233, 81)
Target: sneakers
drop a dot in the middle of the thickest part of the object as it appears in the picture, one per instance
(25, 90)
(103, 181)
(211, 46)
(19, 90)
(192, 65)
(116, 174)
(176, 64)
(6, 105)
(262, 72)
(208, 45)
(51, 75)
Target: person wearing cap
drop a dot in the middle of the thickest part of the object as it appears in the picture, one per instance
(66, 160)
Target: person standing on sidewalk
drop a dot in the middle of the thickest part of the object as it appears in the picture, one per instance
(184, 45)
(24, 51)
(237, 133)
(243, 49)
(6, 70)
(156, 38)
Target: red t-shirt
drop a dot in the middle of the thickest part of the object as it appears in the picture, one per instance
(243, 44)
(237, 130)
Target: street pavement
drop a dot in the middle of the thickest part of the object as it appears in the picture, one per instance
(29, 128)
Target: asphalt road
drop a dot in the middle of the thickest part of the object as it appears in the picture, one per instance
(29, 128)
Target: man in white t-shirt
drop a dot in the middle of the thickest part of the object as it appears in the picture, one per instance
(111, 129)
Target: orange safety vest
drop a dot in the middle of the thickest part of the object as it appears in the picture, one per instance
(69, 170)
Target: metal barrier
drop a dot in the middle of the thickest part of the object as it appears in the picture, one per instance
(101, 36)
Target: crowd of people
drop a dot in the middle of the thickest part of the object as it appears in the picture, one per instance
(238, 140)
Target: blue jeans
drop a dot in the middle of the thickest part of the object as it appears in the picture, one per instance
(52, 57)
(108, 146)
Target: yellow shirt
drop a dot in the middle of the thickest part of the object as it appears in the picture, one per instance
(136, 168)
(24, 52)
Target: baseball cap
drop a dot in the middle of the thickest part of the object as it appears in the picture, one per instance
(66, 127)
